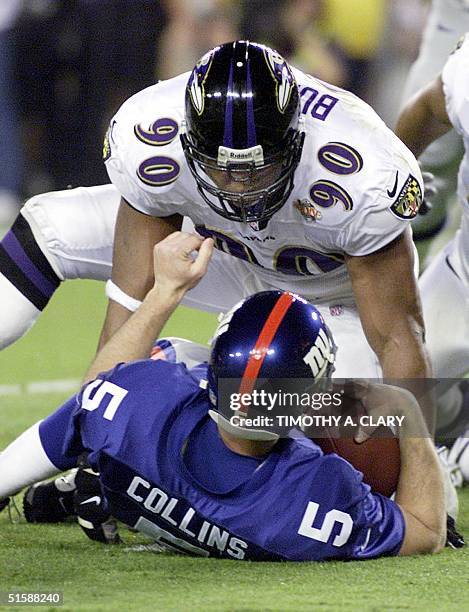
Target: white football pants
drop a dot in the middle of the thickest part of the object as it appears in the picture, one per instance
(448, 20)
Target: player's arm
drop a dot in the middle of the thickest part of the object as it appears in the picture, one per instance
(388, 302)
(387, 297)
(424, 118)
(39, 452)
(176, 270)
(421, 498)
(420, 490)
(132, 269)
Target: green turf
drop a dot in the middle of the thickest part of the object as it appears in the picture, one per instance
(94, 577)
(63, 342)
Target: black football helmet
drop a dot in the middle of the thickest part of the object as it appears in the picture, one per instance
(269, 336)
(241, 136)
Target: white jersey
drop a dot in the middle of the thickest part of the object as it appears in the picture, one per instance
(356, 187)
(456, 90)
(447, 21)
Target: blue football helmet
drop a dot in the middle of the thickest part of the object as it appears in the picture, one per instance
(269, 336)
(241, 135)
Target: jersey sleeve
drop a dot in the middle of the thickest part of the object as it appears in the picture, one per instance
(122, 168)
(382, 530)
(379, 526)
(386, 198)
(390, 208)
(57, 432)
(127, 404)
(142, 150)
(456, 88)
(371, 231)
(65, 434)
(375, 523)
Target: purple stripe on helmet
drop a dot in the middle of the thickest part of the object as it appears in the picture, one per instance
(15, 251)
(250, 123)
(228, 134)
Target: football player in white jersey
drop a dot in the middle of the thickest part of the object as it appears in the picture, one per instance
(444, 285)
(447, 21)
(300, 184)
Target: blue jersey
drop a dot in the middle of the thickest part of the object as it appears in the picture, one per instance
(166, 472)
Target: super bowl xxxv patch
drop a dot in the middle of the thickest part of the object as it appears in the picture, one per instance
(409, 200)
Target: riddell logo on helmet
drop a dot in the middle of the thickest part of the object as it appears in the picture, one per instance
(255, 154)
(233, 155)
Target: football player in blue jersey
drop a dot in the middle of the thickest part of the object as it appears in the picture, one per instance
(175, 466)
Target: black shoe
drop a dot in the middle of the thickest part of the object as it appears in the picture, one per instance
(50, 502)
(453, 538)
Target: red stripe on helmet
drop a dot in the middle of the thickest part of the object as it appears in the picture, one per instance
(259, 352)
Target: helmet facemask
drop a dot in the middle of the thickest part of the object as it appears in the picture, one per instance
(271, 178)
(242, 135)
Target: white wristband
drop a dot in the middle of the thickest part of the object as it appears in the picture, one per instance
(116, 294)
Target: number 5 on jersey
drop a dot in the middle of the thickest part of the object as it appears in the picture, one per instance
(323, 533)
(106, 389)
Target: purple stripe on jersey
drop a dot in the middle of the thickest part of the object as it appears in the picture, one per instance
(250, 123)
(15, 251)
(228, 135)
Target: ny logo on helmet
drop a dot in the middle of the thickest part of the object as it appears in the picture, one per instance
(320, 354)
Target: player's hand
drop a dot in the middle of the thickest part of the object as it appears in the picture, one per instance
(382, 400)
(91, 508)
(180, 261)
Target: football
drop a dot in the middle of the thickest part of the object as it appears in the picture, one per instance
(378, 458)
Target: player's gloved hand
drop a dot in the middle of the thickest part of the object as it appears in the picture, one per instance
(91, 508)
(453, 538)
(430, 190)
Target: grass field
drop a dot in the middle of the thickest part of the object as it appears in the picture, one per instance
(94, 577)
